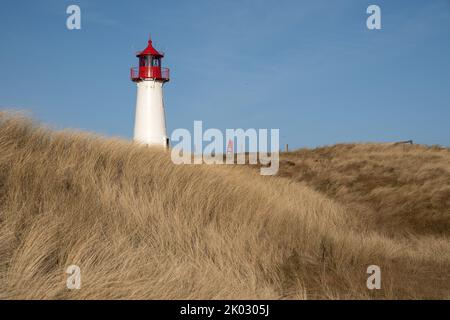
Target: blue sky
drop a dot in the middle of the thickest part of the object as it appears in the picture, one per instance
(310, 68)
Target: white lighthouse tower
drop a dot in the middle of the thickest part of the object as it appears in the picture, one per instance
(150, 120)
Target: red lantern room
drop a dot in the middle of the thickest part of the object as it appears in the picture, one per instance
(149, 66)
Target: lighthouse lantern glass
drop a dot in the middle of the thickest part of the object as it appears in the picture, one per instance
(149, 61)
(156, 62)
(144, 61)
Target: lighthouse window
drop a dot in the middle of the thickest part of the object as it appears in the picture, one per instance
(143, 62)
(155, 62)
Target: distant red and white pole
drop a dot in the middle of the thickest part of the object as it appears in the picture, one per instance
(230, 148)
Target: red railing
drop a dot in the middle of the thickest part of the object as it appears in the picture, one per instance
(140, 73)
(165, 73)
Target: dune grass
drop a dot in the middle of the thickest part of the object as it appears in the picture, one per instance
(399, 189)
(140, 227)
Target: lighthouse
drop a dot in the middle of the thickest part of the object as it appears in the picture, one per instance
(149, 76)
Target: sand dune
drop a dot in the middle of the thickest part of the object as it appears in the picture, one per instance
(140, 227)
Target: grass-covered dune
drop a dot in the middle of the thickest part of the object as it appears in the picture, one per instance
(140, 227)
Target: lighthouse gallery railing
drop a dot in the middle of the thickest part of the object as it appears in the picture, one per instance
(150, 72)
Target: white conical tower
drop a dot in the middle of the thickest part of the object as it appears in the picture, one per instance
(150, 120)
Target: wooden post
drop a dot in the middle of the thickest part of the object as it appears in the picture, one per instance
(404, 142)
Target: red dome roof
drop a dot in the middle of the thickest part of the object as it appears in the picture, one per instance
(150, 51)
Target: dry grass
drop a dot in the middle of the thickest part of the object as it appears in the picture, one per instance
(140, 227)
(399, 189)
